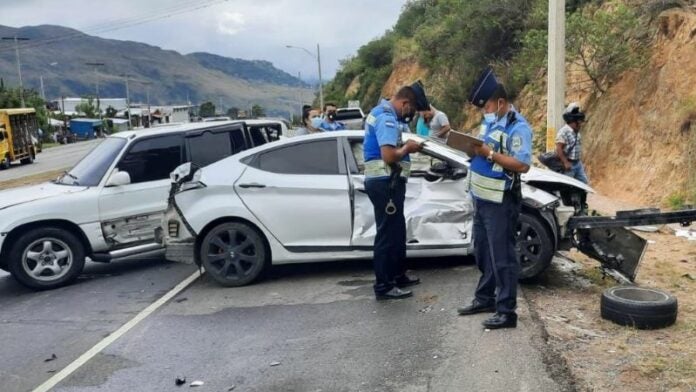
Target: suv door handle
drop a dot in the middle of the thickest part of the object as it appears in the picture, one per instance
(252, 185)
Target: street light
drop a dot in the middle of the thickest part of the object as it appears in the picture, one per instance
(318, 57)
(19, 64)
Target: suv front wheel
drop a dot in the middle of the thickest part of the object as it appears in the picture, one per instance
(46, 258)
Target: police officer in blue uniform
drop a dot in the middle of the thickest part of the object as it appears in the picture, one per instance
(495, 186)
(387, 167)
(329, 123)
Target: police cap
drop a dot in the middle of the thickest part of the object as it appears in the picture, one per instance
(484, 88)
(421, 99)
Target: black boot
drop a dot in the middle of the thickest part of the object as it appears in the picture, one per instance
(501, 320)
(395, 293)
(475, 307)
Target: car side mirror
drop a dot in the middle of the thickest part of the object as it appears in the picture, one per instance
(118, 178)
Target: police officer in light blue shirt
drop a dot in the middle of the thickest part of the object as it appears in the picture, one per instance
(387, 167)
(495, 186)
(330, 123)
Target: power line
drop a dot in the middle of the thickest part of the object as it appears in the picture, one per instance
(123, 23)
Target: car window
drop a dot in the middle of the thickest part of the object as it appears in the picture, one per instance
(209, 147)
(349, 114)
(315, 157)
(91, 169)
(262, 134)
(152, 159)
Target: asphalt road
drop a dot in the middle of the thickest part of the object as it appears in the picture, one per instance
(51, 159)
(320, 322)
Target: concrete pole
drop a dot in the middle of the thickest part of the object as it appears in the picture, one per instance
(43, 92)
(321, 83)
(556, 72)
(19, 65)
(128, 103)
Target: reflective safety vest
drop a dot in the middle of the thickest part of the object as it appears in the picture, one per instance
(375, 167)
(488, 180)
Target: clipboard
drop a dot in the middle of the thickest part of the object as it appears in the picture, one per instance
(463, 142)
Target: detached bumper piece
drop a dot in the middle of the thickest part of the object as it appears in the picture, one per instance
(607, 239)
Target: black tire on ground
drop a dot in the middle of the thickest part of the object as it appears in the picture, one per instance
(234, 254)
(534, 246)
(5, 163)
(46, 258)
(642, 308)
(27, 161)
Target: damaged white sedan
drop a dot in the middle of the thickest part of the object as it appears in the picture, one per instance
(303, 199)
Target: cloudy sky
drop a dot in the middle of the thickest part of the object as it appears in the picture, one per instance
(249, 29)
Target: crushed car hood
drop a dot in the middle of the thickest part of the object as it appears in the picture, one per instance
(536, 174)
(16, 196)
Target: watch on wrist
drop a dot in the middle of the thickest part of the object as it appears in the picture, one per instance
(489, 158)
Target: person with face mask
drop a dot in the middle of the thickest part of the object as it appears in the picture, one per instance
(311, 121)
(569, 143)
(387, 167)
(330, 124)
(495, 187)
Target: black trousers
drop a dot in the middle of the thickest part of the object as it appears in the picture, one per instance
(494, 242)
(390, 242)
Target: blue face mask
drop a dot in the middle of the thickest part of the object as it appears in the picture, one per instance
(490, 118)
(316, 122)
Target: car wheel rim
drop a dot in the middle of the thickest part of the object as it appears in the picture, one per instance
(231, 254)
(528, 245)
(47, 259)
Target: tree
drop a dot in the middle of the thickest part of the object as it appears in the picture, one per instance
(600, 41)
(207, 109)
(111, 112)
(233, 113)
(257, 111)
(87, 108)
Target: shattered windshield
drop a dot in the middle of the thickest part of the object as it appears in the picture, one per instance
(90, 170)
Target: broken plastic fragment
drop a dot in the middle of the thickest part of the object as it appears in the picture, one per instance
(180, 381)
(53, 358)
(275, 363)
(197, 384)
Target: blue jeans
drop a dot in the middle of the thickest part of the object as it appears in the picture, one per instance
(577, 171)
(390, 242)
(494, 247)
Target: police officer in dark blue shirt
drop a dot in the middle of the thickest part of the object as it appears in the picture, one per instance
(387, 167)
(495, 187)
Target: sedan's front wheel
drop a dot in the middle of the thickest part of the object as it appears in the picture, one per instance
(534, 246)
(234, 254)
(46, 258)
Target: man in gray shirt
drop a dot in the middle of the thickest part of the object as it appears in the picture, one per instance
(437, 122)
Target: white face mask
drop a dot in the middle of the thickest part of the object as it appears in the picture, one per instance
(490, 118)
(316, 122)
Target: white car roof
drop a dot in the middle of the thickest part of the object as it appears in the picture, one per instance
(182, 127)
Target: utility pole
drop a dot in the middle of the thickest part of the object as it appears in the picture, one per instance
(126, 76)
(149, 112)
(19, 64)
(321, 83)
(556, 72)
(43, 93)
(96, 82)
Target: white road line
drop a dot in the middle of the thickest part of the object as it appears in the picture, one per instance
(84, 358)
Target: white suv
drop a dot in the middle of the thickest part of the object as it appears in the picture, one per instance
(108, 206)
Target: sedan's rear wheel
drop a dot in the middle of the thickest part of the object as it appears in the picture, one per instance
(534, 246)
(46, 258)
(234, 254)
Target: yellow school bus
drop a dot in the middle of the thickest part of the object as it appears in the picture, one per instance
(17, 126)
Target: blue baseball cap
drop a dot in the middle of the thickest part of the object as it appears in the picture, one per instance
(484, 88)
(421, 99)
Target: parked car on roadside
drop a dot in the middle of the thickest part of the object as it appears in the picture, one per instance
(353, 118)
(108, 205)
(303, 199)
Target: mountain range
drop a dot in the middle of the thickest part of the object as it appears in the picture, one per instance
(60, 55)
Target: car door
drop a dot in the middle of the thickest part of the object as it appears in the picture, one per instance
(130, 213)
(438, 209)
(300, 193)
